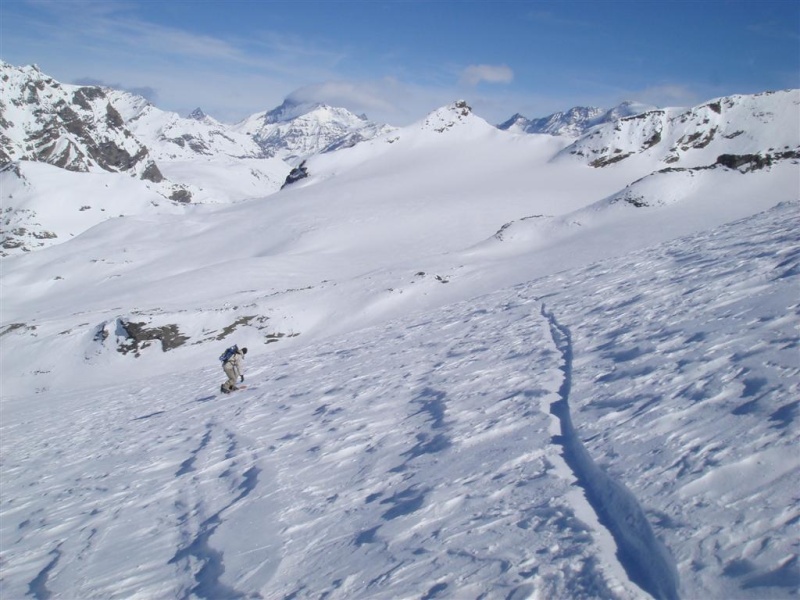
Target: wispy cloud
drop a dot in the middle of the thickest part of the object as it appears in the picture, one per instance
(669, 95)
(549, 18)
(475, 74)
(775, 30)
(367, 96)
(117, 29)
(144, 91)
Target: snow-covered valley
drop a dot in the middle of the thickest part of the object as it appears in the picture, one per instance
(483, 363)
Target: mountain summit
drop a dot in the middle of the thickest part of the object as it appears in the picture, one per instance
(197, 114)
(294, 131)
(448, 117)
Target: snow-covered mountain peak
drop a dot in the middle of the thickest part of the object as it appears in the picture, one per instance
(452, 115)
(292, 109)
(295, 130)
(516, 123)
(11, 75)
(626, 109)
(573, 122)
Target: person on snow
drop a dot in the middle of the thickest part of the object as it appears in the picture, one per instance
(233, 369)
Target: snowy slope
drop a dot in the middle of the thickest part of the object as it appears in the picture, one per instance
(45, 205)
(626, 429)
(225, 180)
(441, 210)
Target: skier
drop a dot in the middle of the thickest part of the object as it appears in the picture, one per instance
(233, 369)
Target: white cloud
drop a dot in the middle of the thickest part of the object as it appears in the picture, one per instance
(669, 95)
(363, 97)
(474, 74)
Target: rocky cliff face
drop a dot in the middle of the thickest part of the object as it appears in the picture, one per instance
(73, 127)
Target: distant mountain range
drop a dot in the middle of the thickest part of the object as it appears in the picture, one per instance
(102, 131)
(574, 122)
(85, 128)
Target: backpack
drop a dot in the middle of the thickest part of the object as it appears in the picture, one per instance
(228, 354)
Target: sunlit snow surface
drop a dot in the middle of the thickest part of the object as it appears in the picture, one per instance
(425, 458)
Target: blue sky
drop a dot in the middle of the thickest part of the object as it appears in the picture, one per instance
(398, 60)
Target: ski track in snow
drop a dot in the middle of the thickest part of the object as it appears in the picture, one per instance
(644, 558)
(423, 458)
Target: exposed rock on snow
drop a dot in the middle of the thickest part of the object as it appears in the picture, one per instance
(296, 174)
(135, 336)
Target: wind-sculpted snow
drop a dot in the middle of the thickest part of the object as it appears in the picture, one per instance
(687, 372)
(412, 459)
(420, 458)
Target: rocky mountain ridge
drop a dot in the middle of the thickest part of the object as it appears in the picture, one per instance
(172, 137)
(574, 122)
(72, 127)
(765, 124)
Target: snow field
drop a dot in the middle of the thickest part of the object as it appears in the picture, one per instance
(395, 455)
(421, 458)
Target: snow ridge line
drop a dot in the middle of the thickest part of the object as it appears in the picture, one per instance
(647, 562)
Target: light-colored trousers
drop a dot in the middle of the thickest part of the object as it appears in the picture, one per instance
(233, 375)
